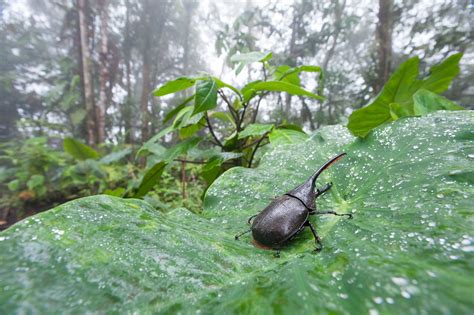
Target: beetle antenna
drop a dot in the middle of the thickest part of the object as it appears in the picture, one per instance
(325, 166)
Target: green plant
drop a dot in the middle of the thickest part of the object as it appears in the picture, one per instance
(240, 137)
(407, 250)
(405, 95)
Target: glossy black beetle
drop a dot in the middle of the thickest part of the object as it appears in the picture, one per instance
(288, 215)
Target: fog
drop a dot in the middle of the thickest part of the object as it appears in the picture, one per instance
(149, 42)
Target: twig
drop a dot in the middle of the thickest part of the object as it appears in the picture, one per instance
(264, 71)
(212, 131)
(231, 109)
(256, 147)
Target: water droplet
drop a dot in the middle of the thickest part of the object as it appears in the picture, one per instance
(343, 296)
(400, 281)
(373, 312)
(378, 300)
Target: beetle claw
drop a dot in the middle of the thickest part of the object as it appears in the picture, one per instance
(318, 249)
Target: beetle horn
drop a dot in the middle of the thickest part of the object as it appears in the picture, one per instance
(306, 192)
(325, 166)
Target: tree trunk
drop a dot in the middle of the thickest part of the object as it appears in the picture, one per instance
(383, 34)
(338, 10)
(292, 57)
(104, 71)
(127, 108)
(86, 72)
(145, 73)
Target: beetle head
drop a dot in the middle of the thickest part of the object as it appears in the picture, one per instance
(306, 192)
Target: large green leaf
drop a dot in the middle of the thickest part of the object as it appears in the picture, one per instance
(79, 150)
(408, 249)
(399, 89)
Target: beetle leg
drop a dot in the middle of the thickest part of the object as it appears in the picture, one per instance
(240, 234)
(334, 213)
(319, 244)
(321, 191)
(277, 253)
(250, 219)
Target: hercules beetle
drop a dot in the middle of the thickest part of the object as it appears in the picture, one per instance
(287, 215)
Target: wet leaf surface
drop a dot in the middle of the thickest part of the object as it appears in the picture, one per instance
(408, 249)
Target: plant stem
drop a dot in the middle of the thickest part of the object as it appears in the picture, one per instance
(212, 130)
(256, 148)
(231, 109)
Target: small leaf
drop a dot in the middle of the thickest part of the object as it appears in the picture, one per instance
(79, 150)
(174, 86)
(281, 86)
(153, 141)
(181, 148)
(206, 96)
(190, 130)
(253, 130)
(290, 75)
(35, 181)
(398, 111)
(254, 56)
(115, 156)
(13, 185)
(176, 110)
(426, 102)
(292, 78)
(78, 116)
(441, 75)
(150, 179)
(286, 136)
(117, 192)
(248, 58)
(221, 84)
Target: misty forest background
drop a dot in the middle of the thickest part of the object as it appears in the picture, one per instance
(86, 70)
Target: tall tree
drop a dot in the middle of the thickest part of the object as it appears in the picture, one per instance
(104, 71)
(383, 34)
(87, 71)
(145, 51)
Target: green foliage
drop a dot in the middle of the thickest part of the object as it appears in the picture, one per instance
(397, 96)
(174, 86)
(238, 133)
(426, 102)
(150, 179)
(253, 130)
(79, 150)
(37, 176)
(407, 184)
(206, 96)
(249, 58)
